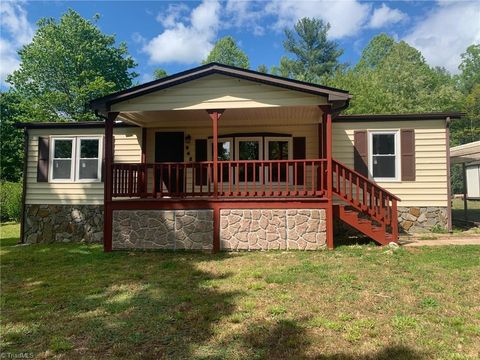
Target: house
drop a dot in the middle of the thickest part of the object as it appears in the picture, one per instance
(222, 158)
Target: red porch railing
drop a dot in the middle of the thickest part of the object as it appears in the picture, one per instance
(365, 196)
(269, 178)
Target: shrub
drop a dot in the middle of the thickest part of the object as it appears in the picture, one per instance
(438, 229)
(10, 201)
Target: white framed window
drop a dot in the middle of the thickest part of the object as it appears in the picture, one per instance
(384, 155)
(225, 153)
(248, 148)
(75, 159)
(279, 148)
(225, 149)
(62, 159)
(89, 160)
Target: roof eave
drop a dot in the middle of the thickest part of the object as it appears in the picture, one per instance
(104, 103)
(410, 116)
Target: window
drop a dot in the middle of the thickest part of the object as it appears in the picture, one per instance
(76, 159)
(248, 149)
(384, 155)
(62, 159)
(89, 164)
(224, 154)
(224, 149)
(279, 149)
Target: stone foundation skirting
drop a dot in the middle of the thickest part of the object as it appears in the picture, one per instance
(63, 223)
(272, 229)
(421, 219)
(163, 229)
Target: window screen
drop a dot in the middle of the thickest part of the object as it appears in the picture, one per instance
(88, 159)
(62, 159)
(383, 156)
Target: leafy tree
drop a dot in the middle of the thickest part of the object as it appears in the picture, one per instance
(470, 68)
(159, 73)
(467, 129)
(284, 69)
(11, 139)
(262, 68)
(67, 64)
(394, 77)
(376, 50)
(227, 52)
(314, 55)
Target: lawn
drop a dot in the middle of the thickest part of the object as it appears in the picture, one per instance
(73, 301)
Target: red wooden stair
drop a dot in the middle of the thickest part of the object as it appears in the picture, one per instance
(364, 205)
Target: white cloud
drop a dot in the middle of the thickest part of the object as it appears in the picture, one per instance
(346, 17)
(174, 13)
(245, 14)
(384, 16)
(187, 41)
(16, 32)
(446, 32)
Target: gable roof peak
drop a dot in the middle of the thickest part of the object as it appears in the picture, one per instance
(103, 103)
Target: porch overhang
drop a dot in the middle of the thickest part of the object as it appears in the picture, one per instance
(217, 86)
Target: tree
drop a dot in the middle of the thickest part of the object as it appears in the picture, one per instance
(262, 68)
(314, 55)
(159, 73)
(11, 139)
(394, 77)
(470, 68)
(67, 64)
(375, 52)
(227, 52)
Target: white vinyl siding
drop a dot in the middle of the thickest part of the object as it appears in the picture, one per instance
(219, 92)
(430, 185)
(127, 149)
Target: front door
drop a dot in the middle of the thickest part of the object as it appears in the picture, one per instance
(169, 148)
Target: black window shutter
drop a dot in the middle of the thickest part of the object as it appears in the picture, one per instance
(360, 149)
(200, 155)
(299, 153)
(407, 145)
(43, 159)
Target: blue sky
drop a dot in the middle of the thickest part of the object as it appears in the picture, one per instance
(178, 35)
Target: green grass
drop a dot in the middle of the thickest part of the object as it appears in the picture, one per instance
(73, 301)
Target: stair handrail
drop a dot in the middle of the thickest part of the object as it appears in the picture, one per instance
(385, 217)
(371, 182)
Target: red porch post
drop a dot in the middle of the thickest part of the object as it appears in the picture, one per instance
(143, 172)
(215, 115)
(329, 179)
(108, 182)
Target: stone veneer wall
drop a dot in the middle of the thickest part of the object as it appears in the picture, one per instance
(268, 229)
(163, 229)
(421, 219)
(63, 223)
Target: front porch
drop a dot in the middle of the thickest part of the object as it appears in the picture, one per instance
(257, 178)
(222, 143)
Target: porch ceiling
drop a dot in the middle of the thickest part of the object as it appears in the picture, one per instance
(289, 115)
